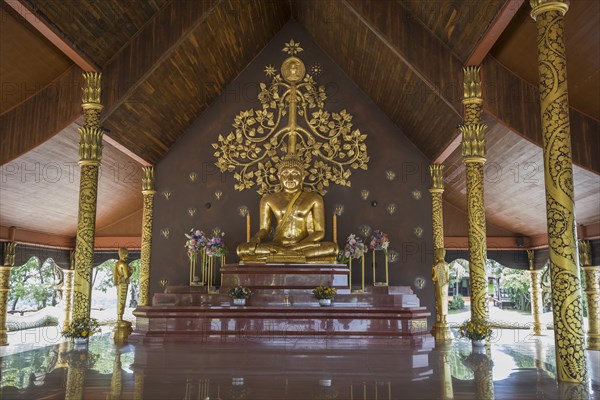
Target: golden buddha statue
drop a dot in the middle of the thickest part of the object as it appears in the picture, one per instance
(300, 222)
(121, 274)
(441, 277)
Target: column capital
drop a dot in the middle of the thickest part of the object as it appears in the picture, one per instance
(148, 180)
(473, 142)
(472, 85)
(437, 178)
(9, 254)
(91, 90)
(541, 6)
(90, 145)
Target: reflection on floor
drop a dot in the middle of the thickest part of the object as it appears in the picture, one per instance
(318, 368)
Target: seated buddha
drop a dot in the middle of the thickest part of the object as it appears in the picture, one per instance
(299, 222)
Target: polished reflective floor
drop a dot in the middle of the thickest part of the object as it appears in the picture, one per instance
(515, 366)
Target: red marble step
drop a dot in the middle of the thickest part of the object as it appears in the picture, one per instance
(170, 323)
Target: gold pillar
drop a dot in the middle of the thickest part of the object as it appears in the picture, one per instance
(558, 178)
(483, 377)
(75, 385)
(138, 385)
(447, 389)
(90, 155)
(9, 262)
(592, 291)
(116, 381)
(68, 291)
(536, 295)
(473, 151)
(148, 192)
(441, 330)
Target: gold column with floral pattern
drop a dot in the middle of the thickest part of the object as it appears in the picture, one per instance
(9, 262)
(148, 192)
(536, 295)
(473, 151)
(558, 178)
(440, 273)
(90, 155)
(75, 380)
(116, 381)
(592, 291)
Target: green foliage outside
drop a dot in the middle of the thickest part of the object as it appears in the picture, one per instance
(32, 284)
(457, 303)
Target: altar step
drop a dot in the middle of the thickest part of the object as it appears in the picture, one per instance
(200, 323)
(394, 296)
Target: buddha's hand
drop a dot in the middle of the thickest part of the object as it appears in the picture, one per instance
(304, 246)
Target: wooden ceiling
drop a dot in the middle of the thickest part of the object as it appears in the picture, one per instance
(28, 62)
(165, 61)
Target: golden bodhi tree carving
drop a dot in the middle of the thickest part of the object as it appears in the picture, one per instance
(325, 141)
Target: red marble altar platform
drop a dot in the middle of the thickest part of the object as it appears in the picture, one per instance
(282, 306)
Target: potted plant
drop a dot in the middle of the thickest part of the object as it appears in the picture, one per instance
(239, 294)
(324, 294)
(80, 329)
(476, 330)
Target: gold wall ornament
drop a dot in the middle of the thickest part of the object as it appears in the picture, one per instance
(536, 295)
(364, 194)
(292, 121)
(167, 194)
(148, 192)
(191, 211)
(193, 176)
(416, 194)
(9, 262)
(163, 283)
(390, 175)
(393, 256)
(218, 194)
(473, 151)
(391, 208)
(165, 232)
(418, 231)
(292, 48)
(592, 292)
(558, 177)
(365, 230)
(216, 231)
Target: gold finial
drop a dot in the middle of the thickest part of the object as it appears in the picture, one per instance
(585, 255)
(90, 145)
(9, 254)
(91, 88)
(148, 180)
(473, 143)
(437, 176)
(472, 85)
(292, 48)
(541, 6)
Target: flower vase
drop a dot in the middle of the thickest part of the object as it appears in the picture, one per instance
(239, 302)
(478, 343)
(325, 302)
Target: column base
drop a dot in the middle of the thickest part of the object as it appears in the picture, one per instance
(441, 332)
(593, 342)
(121, 331)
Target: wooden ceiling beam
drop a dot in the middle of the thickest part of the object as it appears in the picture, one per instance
(40, 24)
(498, 25)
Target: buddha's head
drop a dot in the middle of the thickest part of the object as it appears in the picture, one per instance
(291, 173)
(439, 255)
(123, 253)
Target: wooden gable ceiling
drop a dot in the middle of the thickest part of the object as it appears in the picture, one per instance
(164, 63)
(28, 62)
(97, 28)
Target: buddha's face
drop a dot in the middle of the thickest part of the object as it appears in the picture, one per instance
(291, 178)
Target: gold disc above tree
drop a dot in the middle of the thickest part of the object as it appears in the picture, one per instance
(292, 121)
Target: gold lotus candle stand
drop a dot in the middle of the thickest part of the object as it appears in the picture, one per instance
(362, 285)
(386, 283)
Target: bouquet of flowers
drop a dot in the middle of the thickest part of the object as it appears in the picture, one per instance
(196, 241)
(475, 329)
(324, 292)
(215, 246)
(355, 248)
(81, 328)
(240, 292)
(379, 241)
